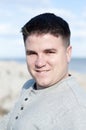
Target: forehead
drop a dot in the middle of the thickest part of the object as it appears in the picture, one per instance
(43, 41)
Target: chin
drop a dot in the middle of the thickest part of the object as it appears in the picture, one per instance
(44, 85)
(43, 82)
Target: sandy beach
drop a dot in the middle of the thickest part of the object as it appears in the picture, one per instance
(12, 77)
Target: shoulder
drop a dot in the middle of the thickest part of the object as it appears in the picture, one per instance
(4, 121)
(78, 92)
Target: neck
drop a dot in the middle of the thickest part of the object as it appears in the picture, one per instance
(37, 87)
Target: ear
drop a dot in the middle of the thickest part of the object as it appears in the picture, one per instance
(69, 52)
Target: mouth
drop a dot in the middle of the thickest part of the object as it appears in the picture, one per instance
(42, 72)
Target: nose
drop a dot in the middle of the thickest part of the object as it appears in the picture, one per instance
(40, 62)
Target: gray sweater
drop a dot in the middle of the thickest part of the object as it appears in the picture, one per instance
(59, 107)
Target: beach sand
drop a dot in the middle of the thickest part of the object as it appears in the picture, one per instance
(13, 75)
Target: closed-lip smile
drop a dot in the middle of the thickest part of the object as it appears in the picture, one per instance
(41, 71)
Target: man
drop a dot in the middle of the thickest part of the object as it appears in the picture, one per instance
(52, 100)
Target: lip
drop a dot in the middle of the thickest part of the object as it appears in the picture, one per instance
(40, 71)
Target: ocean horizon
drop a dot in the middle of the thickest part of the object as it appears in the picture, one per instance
(76, 64)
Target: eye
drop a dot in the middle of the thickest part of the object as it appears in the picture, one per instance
(50, 51)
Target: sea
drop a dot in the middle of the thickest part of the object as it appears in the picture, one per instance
(76, 64)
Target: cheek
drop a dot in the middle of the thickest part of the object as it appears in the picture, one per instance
(52, 61)
(59, 61)
(29, 62)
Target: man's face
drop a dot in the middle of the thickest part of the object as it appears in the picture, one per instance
(47, 58)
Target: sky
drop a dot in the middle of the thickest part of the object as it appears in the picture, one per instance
(14, 14)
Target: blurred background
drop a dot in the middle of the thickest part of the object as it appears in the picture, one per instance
(13, 15)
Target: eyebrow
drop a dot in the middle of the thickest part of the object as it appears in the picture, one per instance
(28, 52)
(50, 49)
(46, 50)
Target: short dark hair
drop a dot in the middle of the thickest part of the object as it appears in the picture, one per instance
(47, 23)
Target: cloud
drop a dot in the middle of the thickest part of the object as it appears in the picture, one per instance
(79, 50)
(8, 29)
(4, 28)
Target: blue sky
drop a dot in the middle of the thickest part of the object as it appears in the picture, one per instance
(14, 14)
